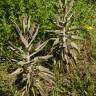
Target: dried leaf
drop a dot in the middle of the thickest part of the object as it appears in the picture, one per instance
(74, 28)
(33, 91)
(73, 45)
(23, 93)
(24, 23)
(13, 47)
(43, 69)
(24, 41)
(28, 26)
(46, 78)
(34, 36)
(49, 75)
(30, 47)
(73, 56)
(19, 70)
(32, 29)
(66, 58)
(39, 86)
(22, 63)
(69, 8)
(39, 48)
(44, 57)
(29, 80)
(76, 37)
(56, 42)
(54, 31)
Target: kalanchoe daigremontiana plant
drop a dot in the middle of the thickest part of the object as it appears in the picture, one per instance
(31, 77)
(64, 49)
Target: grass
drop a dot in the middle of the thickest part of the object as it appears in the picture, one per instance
(81, 80)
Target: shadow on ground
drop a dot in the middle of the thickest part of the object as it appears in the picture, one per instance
(5, 93)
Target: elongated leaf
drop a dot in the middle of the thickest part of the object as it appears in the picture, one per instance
(57, 23)
(24, 41)
(76, 37)
(28, 23)
(22, 63)
(42, 45)
(39, 48)
(49, 75)
(66, 2)
(69, 8)
(39, 86)
(74, 28)
(19, 70)
(69, 18)
(30, 47)
(60, 3)
(67, 62)
(40, 59)
(59, 65)
(34, 36)
(73, 56)
(29, 80)
(44, 57)
(66, 58)
(16, 48)
(33, 91)
(17, 27)
(56, 42)
(32, 29)
(74, 46)
(43, 69)
(13, 49)
(24, 23)
(23, 93)
(46, 78)
(54, 31)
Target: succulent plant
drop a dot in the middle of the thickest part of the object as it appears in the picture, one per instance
(31, 77)
(64, 48)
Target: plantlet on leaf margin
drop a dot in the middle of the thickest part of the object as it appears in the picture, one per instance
(31, 77)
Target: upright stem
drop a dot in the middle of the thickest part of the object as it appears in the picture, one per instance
(28, 57)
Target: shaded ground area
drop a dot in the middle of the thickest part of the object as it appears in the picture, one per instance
(5, 81)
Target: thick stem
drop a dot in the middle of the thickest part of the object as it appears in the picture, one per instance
(28, 57)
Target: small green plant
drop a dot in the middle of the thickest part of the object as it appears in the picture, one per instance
(32, 78)
(83, 86)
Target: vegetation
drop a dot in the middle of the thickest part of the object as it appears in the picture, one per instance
(47, 48)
